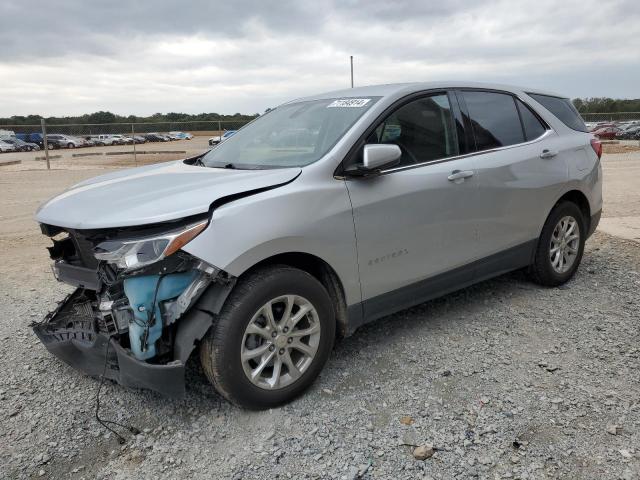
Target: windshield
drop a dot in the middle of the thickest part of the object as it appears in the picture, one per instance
(292, 135)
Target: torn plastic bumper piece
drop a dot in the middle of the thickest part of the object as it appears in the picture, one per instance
(70, 332)
(122, 368)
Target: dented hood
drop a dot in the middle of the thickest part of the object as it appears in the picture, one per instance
(151, 194)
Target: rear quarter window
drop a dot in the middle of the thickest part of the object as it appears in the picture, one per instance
(563, 109)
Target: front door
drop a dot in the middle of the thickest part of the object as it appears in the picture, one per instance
(415, 221)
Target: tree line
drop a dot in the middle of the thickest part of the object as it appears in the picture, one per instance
(584, 105)
(108, 117)
(606, 105)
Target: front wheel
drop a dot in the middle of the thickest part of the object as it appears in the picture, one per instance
(560, 245)
(272, 338)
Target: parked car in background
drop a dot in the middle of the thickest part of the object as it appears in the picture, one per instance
(628, 133)
(95, 140)
(181, 135)
(156, 137)
(55, 142)
(83, 142)
(21, 145)
(163, 263)
(601, 125)
(139, 139)
(219, 139)
(105, 139)
(606, 133)
(31, 138)
(227, 135)
(64, 141)
(121, 139)
(6, 147)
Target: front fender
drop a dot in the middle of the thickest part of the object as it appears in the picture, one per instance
(306, 216)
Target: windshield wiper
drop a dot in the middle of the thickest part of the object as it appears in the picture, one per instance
(237, 166)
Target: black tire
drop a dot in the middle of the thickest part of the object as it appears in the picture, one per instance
(221, 347)
(542, 270)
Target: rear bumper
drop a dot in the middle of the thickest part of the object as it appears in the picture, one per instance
(71, 333)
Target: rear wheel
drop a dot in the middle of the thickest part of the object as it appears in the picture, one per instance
(560, 246)
(272, 338)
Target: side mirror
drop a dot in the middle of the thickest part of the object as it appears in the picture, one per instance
(379, 155)
(376, 157)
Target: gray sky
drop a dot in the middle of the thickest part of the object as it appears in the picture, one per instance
(70, 57)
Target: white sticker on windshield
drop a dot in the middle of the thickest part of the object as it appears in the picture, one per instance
(349, 103)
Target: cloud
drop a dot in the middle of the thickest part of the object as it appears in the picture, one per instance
(73, 56)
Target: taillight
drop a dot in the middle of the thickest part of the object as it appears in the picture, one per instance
(597, 147)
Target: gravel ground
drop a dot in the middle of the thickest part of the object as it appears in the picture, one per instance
(503, 380)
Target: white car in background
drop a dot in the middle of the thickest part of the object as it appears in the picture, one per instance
(101, 140)
(121, 139)
(6, 147)
(180, 135)
(219, 139)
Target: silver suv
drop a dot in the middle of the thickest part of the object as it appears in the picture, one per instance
(318, 217)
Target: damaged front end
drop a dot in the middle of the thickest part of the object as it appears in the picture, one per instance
(140, 305)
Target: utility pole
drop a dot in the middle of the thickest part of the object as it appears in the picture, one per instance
(351, 57)
(44, 142)
(133, 137)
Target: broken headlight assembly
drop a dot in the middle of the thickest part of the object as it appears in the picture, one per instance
(132, 254)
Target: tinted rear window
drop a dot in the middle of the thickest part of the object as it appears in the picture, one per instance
(563, 109)
(494, 119)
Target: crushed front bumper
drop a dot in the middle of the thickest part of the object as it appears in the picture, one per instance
(72, 333)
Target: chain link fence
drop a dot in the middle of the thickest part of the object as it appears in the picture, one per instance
(77, 129)
(611, 117)
(44, 134)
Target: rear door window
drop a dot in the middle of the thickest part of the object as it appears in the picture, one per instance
(494, 119)
(533, 127)
(563, 109)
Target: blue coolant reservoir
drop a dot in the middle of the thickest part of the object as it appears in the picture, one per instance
(140, 292)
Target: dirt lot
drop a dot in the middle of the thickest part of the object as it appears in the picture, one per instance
(505, 379)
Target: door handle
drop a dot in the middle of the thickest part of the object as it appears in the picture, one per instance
(458, 176)
(546, 153)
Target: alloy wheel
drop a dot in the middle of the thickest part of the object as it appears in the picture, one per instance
(280, 342)
(564, 245)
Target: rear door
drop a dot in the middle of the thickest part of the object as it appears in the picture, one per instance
(415, 220)
(520, 170)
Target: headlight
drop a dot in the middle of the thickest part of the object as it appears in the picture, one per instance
(136, 253)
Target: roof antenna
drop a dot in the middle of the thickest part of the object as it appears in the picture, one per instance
(351, 57)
